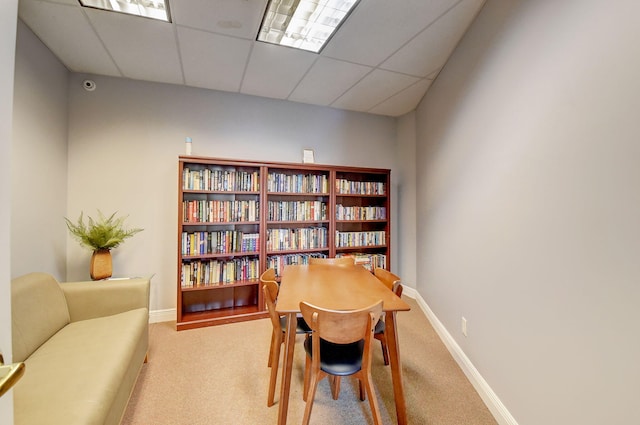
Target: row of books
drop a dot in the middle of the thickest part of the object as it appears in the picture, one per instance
(297, 238)
(349, 187)
(298, 183)
(213, 273)
(360, 213)
(296, 210)
(216, 211)
(368, 261)
(220, 180)
(351, 239)
(219, 242)
(279, 261)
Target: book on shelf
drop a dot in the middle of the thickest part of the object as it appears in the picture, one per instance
(348, 187)
(220, 180)
(219, 272)
(220, 211)
(296, 238)
(355, 239)
(219, 242)
(298, 183)
(360, 213)
(368, 261)
(278, 262)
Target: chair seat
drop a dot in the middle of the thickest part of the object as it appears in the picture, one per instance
(338, 359)
(301, 326)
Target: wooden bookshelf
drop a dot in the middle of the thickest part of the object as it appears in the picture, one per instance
(237, 218)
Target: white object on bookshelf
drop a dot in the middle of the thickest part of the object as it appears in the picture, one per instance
(307, 156)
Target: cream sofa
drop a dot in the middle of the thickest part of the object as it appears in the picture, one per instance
(83, 345)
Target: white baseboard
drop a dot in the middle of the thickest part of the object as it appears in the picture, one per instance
(168, 315)
(493, 403)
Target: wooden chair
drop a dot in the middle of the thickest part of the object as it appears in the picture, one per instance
(340, 345)
(392, 282)
(389, 279)
(270, 290)
(340, 261)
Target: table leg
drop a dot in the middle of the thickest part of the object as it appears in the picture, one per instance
(396, 366)
(287, 365)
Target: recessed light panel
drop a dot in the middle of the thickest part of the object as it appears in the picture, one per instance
(154, 9)
(303, 24)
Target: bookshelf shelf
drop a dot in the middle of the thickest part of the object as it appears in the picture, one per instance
(361, 221)
(303, 222)
(293, 251)
(220, 255)
(237, 218)
(223, 285)
(219, 223)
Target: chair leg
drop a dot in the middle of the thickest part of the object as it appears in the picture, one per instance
(373, 401)
(334, 383)
(307, 377)
(274, 360)
(273, 338)
(313, 385)
(362, 390)
(385, 350)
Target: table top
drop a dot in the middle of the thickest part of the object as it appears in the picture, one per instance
(333, 287)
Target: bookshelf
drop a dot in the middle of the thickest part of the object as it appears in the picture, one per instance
(237, 218)
(362, 216)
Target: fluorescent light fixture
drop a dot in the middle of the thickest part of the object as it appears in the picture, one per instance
(303, 24)
(154, 9)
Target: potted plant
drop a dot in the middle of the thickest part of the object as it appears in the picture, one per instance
(101, 236)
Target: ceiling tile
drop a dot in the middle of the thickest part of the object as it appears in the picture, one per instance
(142, 48)
(373, 89)
(435, 43)
(238, 18)
(212, 61)
(211, 44)
(274, 71)
(327, 80)
(69, 2)
(363, 38)
(67, 33)
(403, 102)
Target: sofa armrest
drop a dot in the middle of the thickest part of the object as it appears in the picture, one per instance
(91, 299)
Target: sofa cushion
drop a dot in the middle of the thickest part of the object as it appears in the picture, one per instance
(39, 310)
(75, 377)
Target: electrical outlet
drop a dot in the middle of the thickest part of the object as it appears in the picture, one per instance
(464, 326)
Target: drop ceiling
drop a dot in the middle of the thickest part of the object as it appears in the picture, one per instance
(382, 60)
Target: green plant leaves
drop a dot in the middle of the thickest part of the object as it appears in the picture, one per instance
(101, 233)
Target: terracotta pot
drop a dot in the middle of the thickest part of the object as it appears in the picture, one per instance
(101, 266)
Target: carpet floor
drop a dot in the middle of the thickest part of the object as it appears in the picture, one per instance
(219, 375)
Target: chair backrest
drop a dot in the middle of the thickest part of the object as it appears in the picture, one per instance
(389, 279)
(270, 290)
(344, 326)
(268, 275)
(340, 261)
(397, 288)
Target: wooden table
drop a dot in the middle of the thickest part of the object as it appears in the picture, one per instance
(337, 288)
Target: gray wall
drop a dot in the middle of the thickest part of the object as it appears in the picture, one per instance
(8, 13)
(528, 206)
(39, 160)
(125, 138)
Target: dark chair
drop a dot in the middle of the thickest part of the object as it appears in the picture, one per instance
(340, 345)
(392, 282)
(270, 290)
